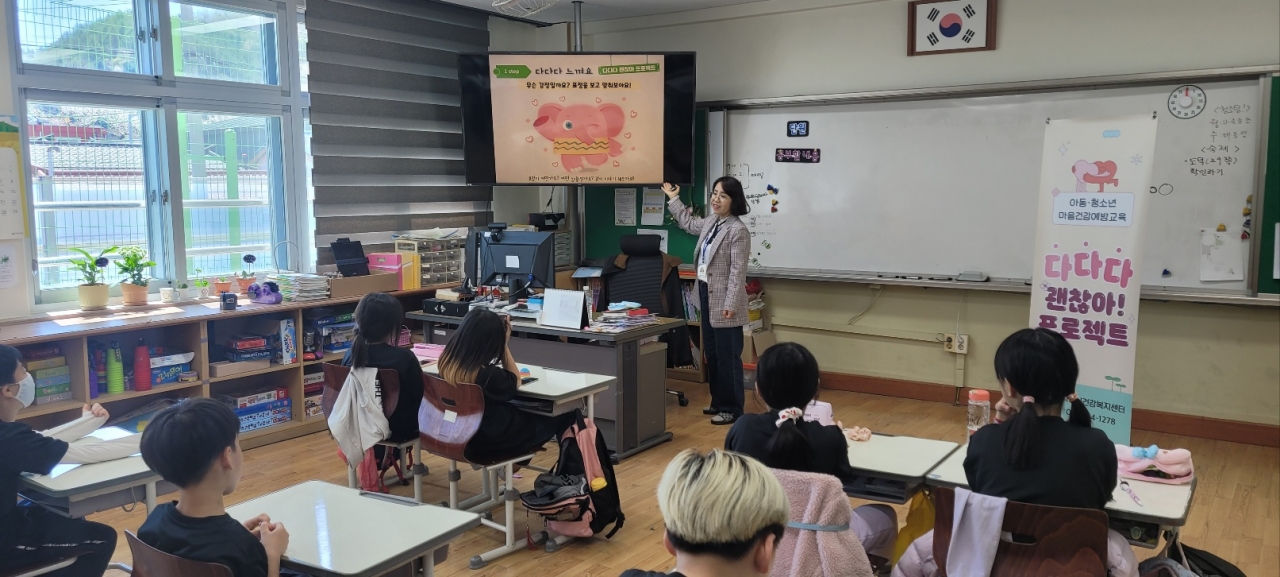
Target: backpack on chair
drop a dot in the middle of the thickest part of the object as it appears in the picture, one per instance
(571, 498)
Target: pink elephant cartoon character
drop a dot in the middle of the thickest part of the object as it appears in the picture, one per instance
(581, 132)
(1101, 173)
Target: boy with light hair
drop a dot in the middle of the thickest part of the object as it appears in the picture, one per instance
(724, 514)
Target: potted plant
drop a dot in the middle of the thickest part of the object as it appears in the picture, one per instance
(246, 276)
(221, 285)
(180, 293)
(133, 264)
(202, 284)
(93, 292)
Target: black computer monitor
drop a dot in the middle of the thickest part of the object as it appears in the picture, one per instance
(515, 259)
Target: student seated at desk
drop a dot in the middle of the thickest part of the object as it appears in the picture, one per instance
(787, 381)
(1034, 456)
(30, 534)
(479, 353)
(378, 320)
(194, 445)
(724, 514)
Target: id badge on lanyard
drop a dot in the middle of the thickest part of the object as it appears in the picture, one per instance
(702, 271)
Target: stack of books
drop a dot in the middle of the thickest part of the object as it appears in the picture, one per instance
(298, 287)
(613, 323)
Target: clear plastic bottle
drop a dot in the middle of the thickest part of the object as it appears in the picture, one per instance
(979, 410)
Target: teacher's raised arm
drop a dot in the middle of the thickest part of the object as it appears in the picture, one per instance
(684, 217)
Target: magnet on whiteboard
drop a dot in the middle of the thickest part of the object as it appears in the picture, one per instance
(1166, 273)
(1222, 227)
(1244, 235)
(1248, 211)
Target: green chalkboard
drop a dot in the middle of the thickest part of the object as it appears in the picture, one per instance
(602, 236)
(1267, 282)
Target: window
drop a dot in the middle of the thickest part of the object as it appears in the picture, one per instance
(131, 144)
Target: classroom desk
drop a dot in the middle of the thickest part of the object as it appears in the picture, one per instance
(339, 532)
(632, 412)
(88, 489)
(1164, 507)
(892, 468)
(561, 388)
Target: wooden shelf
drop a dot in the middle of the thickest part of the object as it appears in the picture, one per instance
(155, 390)
(54, 407)
(274, 433)
(270, 369)
(328, 358)
(693, 323)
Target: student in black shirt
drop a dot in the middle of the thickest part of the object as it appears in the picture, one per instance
(479, 354)
(1035, 456)
(378, 320)
(724, 514)
(194, 445)
(787, 381)
(31, 535)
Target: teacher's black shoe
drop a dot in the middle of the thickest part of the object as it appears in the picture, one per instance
(710, 411)
(724, 419)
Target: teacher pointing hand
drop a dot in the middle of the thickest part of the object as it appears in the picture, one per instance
(724, 244)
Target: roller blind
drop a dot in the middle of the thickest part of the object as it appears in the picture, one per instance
(386, 119)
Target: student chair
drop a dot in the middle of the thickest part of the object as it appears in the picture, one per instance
(1048, 541)
(389, 391)
(151, 562)
(447, 420)
(640, 281)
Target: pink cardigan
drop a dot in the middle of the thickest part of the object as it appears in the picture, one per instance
(819, 548)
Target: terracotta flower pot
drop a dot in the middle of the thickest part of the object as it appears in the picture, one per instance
(220, 287)
(243, 284)
(93, 297)
(133, 295)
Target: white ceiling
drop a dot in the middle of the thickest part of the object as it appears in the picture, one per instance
(593, 10)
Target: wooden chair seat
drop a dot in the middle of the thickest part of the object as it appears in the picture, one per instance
(335, 376)
(1048, 541)
(151, 562)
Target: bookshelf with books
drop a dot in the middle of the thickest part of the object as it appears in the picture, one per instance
(698, 372)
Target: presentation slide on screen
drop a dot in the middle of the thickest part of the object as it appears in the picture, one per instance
(588, 119)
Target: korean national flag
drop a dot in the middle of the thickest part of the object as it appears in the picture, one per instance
(953, 25)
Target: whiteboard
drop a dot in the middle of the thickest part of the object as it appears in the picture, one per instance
(932, 188)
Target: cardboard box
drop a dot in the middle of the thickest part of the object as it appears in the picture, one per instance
(354, 286)
(756, 343)
(53, 390)
(168, 374)
(53, 381)
(313, 406)
(53, 398)
(249, 355)
(50, 373)
(228, 368)
(313, 378)
(174, 359)
(254, 399)
(275, 406)
(49, 363)
(287, 353)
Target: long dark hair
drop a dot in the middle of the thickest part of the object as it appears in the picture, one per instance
(479, 342)
(733, 189)
(378, 317)
(787, 377)
(9, 360)
(1037, 363)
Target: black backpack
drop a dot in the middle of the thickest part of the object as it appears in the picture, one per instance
(1203, 563)
(571, 498)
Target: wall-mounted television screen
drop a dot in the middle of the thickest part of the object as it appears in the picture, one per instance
(577, 118)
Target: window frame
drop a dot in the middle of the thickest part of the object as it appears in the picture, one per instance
(167, 94)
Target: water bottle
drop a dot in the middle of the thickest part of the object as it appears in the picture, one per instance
(979, 410)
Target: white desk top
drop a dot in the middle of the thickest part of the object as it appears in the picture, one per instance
(555, 385)
(69, 480)
(336, 531)
(903, 458)
(1163, 504)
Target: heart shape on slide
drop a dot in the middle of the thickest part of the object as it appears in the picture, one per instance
(534, 102)
(633, 114)
(599, 100)
(528, 139)
(617, 164)
(561, 99)
(627, 135)
(555, 164)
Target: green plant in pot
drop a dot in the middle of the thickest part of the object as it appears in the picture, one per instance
(201, 284)
(133, 264)
(246, 276)
(93, 291)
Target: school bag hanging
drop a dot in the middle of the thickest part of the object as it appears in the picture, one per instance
(579, 497)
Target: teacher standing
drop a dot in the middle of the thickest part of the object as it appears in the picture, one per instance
(724, 244)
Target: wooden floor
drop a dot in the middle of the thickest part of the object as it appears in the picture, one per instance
(1236, 513)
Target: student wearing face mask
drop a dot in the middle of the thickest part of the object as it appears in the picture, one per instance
(724, 245)
(30, 534)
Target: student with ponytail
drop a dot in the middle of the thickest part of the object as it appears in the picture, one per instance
(378, 320)
(787, 381)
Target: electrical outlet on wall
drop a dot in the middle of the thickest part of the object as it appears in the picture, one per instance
(958, 344)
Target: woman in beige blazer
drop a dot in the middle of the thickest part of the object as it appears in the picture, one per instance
(724, 245)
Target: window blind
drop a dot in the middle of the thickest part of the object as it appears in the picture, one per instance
(386, 120)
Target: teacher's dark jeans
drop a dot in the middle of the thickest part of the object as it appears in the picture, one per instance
(724, 360)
